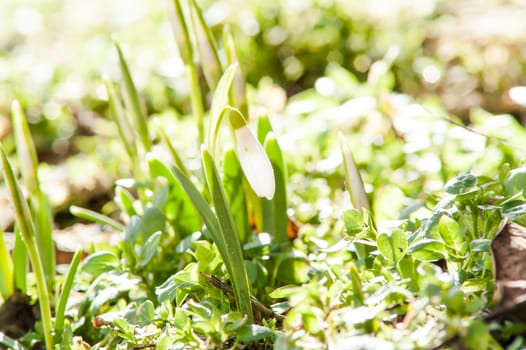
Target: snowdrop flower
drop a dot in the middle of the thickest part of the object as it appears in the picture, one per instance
(255, 163)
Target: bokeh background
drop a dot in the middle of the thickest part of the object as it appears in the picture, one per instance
(53, 53)
(465, 54)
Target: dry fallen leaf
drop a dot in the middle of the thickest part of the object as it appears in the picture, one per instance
(509, 254)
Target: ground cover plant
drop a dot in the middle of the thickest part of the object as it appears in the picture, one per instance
(347, 216)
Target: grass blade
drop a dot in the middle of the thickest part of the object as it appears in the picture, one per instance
(233, 254)
(91, 215)
(64, 295)
(132, 102)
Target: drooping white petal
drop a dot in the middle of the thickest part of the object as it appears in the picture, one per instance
(255, 163)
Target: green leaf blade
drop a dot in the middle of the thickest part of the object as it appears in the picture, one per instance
(27, 229)
(119, 117)
(26, 152)
(392, 245)
(232, 255)
(451, 233)
(6, 269)
(219, 102)
(279, 201)
(206, 47)
(232, 180)
(100, 262)
(132, 101)
(20, 265)
(149, 248)
(353, 179)
(64, 295)
(427, 250)
(22, 213)
(91, 215)
(461, 184)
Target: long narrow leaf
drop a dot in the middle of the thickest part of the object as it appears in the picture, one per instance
(6, 269)
(42, 213)
(215, 228)
(95, 217)
(279, 202)
(22, 213)
(181, 33)
(239, 93)
(173, 152)
(232, 179)
(26, 152)
(233, 252)
(264, 127)
(39, 204)
(182, 36)
(353, 179)
(20, 268)
(267, 215)
(261, 209)
(254, 206)
(132, 102)
(219, 102)
(209, 56)
(118, 114)
(27, 230)
(266, 207)
(202, 206)
(64, 295)
(186, 220)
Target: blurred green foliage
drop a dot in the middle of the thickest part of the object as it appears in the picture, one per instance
(412, 272)
(52, 52)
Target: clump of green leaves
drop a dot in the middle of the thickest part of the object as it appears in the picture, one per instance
(343, 222)
(233, 273)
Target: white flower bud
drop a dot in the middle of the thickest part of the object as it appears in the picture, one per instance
(255, 163)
